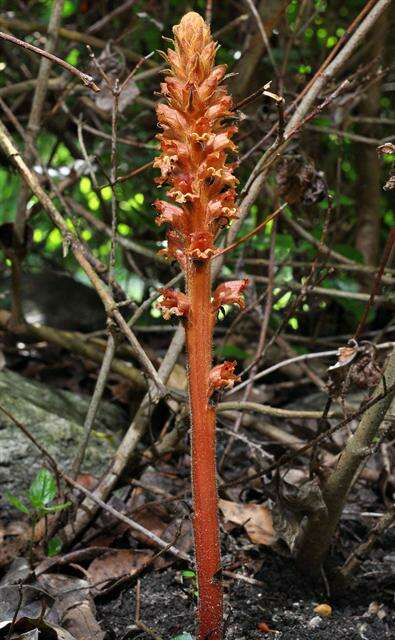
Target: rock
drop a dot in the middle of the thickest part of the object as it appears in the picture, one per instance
(323, 610)
(315, 622)
(43, 300)
(55, 418)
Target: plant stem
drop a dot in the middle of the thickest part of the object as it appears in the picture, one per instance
(319, 531)
(205, 520)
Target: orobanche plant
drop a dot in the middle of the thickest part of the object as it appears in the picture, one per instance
(195, 143)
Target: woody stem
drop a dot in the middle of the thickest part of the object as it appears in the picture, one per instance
(204, 487)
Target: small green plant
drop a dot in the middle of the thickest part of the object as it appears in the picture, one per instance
(41, 493)
(190, 578)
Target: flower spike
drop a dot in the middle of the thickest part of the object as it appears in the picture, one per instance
(195, 142)
(197, 127)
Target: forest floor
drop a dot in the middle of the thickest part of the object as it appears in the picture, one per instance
(284, 602)
(265, 597)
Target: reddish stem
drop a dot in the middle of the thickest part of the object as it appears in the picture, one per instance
(204, 486)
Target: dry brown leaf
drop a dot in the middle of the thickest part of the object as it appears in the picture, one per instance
(255, 518)
(116, 563)
(386, 149)
(74, 607)
(105, 99)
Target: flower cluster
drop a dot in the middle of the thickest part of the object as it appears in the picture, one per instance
(195, 142)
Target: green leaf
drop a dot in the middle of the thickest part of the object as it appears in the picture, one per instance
(18, 504)
(232, 351)
(57, 507)
(183, 636)
(349, 251)
(42, 489)
(54, 547)
(188, 574)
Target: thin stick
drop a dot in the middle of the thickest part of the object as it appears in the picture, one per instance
(231, 25)
(209, 11)
(116, 91)
(131, 439)
(251, 233)
(331, 293)
(320, 81)
(74, 36)
(111, 308)
(288, 457)
(263, 33)
(265, 409)
(86, 79)
(303, 358)
(262, 337)
(135, 172)
(138, 621)
(94, 403)
(377, 281)
(115, 13)
(16, 612)
(356, 557)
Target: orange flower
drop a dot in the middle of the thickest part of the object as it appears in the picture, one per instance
(230, 292)
(222, 377)
(175, 249)
(174, 303)
(193, 57)
(170, 214)
(195, 142)
(201, 245)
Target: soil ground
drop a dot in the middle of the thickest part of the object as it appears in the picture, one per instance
(285, 603)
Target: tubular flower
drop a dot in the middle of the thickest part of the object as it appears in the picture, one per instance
(223, 376)
(170, 214)
(200, 245)
(174, 303)
(195, 141)
(230, 292)
(175, 249)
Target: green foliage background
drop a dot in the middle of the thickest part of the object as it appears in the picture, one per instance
(141, 30)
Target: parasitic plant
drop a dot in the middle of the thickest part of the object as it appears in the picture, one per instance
(195, 143)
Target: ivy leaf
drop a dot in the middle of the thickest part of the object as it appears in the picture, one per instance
(43, 489)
